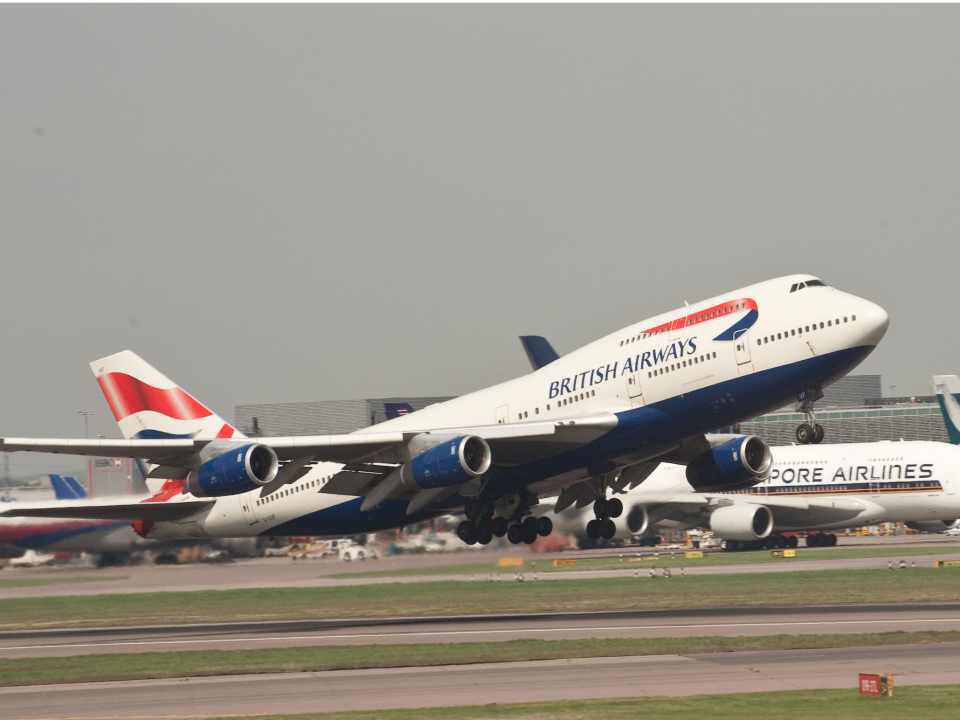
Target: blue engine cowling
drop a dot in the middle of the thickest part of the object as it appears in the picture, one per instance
(452, 462)
(734, 465)
(238, 470)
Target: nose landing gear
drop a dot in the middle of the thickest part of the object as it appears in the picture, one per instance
(810, 432)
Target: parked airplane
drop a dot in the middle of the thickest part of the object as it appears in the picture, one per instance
(947, 388)
(64, 534)
(810, 489)
(603, 416)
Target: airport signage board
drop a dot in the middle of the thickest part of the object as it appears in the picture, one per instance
(693, 554)
(564, 563)
(783, 553)
(948, 563)
(876, 685)
(510, 562)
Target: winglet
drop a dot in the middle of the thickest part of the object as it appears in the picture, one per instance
(539, 351)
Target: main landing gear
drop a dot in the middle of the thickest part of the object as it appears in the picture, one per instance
(603, 526)
(481, 527)
(810, 432)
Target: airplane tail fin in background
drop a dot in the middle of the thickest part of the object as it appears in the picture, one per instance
(539, 351)
(150, 406)
(67, 488)
(948, 395)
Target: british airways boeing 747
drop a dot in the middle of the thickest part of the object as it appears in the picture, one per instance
(601, 417)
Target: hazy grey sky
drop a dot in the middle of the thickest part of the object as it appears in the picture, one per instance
(309, 202)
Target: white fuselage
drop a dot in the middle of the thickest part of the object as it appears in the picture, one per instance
(672, 376)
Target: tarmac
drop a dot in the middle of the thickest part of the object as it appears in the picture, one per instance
(672, 675)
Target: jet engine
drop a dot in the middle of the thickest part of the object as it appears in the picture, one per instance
(451, 462)
(638, 520)
(742, 521)
(933, 526)
(734, 465)
(237, 470)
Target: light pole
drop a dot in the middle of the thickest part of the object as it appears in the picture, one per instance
(86, 422)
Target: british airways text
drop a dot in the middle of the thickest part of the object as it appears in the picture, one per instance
(595, 376)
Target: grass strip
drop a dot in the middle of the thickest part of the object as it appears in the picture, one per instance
(665, 560)
(817, 587)
(32, 582)
(197, 663)
(922, 702)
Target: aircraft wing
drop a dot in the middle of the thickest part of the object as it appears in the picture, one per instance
(787, 511)
(110, 510)
(505, 440)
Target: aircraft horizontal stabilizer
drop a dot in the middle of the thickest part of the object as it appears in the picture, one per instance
(157, 511)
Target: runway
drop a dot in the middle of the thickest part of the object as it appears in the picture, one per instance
(673, 675)
(565, 626)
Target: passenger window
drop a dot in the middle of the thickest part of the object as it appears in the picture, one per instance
(808, 328)
(548, 407)
(779, 337)
(649, 374)
(592, 393)
(853, 317)
(793, 332)
(829, 323)
(758, 341)
(844, 318)
(821, 326)
(714, 354)
(536, 411)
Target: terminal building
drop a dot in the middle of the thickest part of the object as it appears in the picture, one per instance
(853, 409)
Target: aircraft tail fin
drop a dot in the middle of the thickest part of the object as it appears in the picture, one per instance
(539, 351)
(148, 405)
(67, 488)
(948, 395)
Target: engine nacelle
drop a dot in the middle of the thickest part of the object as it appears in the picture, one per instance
(235, 471)
(638, 520)
(933, 526)
(734, 465)
(742, 521)
(451, 462)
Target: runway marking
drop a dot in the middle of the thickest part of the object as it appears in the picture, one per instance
(436, 633)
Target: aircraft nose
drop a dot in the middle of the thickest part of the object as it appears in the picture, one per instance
(874, 321)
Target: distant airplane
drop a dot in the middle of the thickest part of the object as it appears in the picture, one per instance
(64, 534)
(602, 417)
(947, 388)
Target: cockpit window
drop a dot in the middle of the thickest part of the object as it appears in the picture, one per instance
(808, 283)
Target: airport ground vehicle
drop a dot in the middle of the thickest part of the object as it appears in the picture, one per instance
(599, 419)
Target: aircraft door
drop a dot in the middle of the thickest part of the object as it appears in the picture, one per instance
(633, 385)
(247, 502)
(503, 414)
(741, 340)
(678, 325)
(950, 483)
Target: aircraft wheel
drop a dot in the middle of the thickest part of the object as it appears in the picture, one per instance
(593, 529)
(485, 534)
(471, 508)
(817, 434)
(601, 508)
(515, 534)
(467, 532)
(544, 526)
(499, 526)
(831, 540)
(608, 528)
(805, 434)
(792, 541)
(530, 531)
(615, 507)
